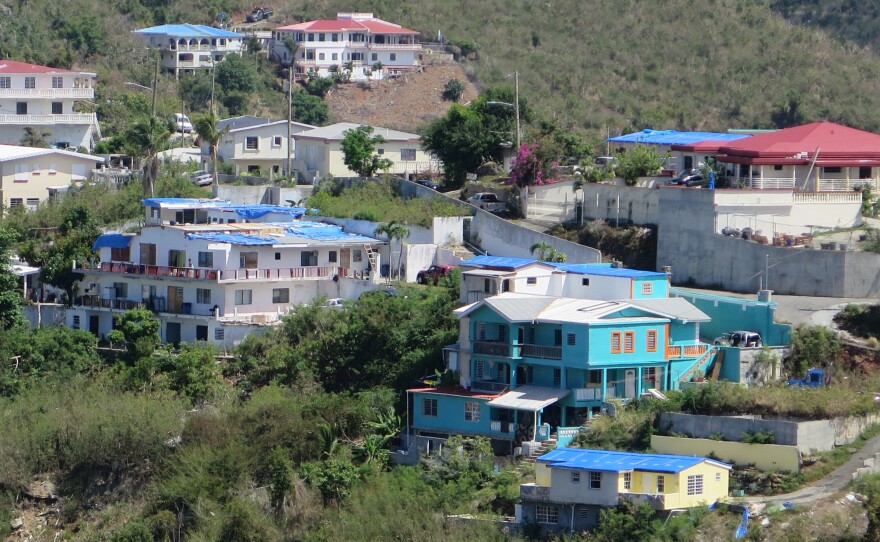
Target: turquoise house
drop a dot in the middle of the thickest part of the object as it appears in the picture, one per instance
(529, 363)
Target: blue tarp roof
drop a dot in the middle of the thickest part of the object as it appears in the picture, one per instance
(256, 211)
(605, 270)
(249, 212)
(498, 261)
(188, 31)
(673, 137)
(319, 231)
(299, 232)
(112, 240)
(604, 460)
(234, 239)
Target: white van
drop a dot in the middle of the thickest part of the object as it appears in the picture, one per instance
(182, 123)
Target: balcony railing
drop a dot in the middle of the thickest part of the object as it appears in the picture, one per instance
(283, 273)
(395, 46)
(686, 351)
(159, 270)
(490, 385)
(534, 492)
(492, 348)
(829, 197)
(77, 118)
(474, 296)
(541, 351)
(587, 394)
(95, 302)
(48, 93)
(497, 427)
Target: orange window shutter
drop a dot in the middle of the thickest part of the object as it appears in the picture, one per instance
(629, 341)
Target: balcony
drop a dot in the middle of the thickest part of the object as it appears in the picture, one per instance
(533, 492)
(317, 273)
(490, 385)
(504, 428)
(541, 351)
(159, 271)
(395, 46)
(686, 351)
(587, 394)
(86, 93)
(77, 118)
(492, 348)
(95, 302)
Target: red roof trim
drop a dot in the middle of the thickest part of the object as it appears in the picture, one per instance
(456, 390)
(12, 66)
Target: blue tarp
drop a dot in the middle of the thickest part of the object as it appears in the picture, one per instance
(112, 240)
(498, 261)
(604, 270)
(604, 460)
(319, 231)
(252, 212)
(673, 137)
(186, 202)
(234, 239)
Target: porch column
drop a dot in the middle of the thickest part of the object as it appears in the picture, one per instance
(604, 384)
(562, 417)
(846, 171)
(513, 366)
(535, 428)
(563, 381)
(639, 382)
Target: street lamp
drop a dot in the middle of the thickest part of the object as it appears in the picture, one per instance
(514, 105)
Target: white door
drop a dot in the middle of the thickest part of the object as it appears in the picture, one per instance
(629, 382)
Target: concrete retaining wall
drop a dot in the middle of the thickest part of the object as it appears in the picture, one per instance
(45, 314)
(267, 195)
(767, 457)
(499, 237)
(808, 436)
(629, 204)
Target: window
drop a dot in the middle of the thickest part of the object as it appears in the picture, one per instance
(219, 334)
(695, 484)
(557, 337)
(649, 374)
(321, 36)
(832, 169)
(487, 283)
(584, 513)
(688, 162)
(532, 280)
(247, 260)
(777, 167)
(629, 339)
(277, 256)
(311, 36)
(5, 82)
(356, 255)
(429, 407)
(308, 258)
(331, 257)
(615, 342)
(374, 57)
(595, 480)
(321, 55)
(280, 295)
(502, 332)
(647, 288)
(557, 376)
(481, 331)
(393, 57)
(570, 339)
(334, 37)
(471, 411)
(380, 152)
(651, 343)
(76, 322)
(531, 339)
(546, 514)
(201, 333)
(276, 141)
(252, 143)
(243, 297)
(595, 377)
(16, 202)
(661, 484)
(203, 296)
(479, 370)
(33, 203)
(176, 258)
(120, 290)
(334, 56)
(575, 477)
(30, 82)
(407, 155)
(206, 259)
(57, 82)
(120, 254)
(627, 480)
(57, 108)
(21, 108)
(717, 476)
(585, 282)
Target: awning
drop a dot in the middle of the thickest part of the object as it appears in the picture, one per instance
(531, 398)
(112, 240)
(488, 273)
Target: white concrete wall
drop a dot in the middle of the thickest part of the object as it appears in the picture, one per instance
(416, 258)
(502, 238)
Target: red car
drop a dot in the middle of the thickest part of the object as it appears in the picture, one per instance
(433, 274)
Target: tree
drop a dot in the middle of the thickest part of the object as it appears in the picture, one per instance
(811, 346)
(358, 151)
(146, 139)
(395, 231)
(453, 90)
(637, 162)
(10, 295)
(235, 74)
(206, 127)
(547, 253)
(34, 138)
(139, 330)
(309, 109)
(334, 478)
(276, 470)
(532, 166)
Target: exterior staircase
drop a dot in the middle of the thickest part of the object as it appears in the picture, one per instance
(371, 257)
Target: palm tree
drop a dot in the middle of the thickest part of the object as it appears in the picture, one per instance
(147, 138)
(546, 252)
(206, 127)
(394, 230)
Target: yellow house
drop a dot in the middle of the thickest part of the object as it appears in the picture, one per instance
(572, 485)
(29, 174)
(319, 151)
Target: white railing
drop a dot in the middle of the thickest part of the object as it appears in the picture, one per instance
(842, 185)
(587, 394)
(49, 93)
(495, 427)
(84, 118)
(770, 183)
(393, 46)
(828, 197)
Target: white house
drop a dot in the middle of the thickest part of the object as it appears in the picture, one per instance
(319, 151)
(358, 38)
(29, 175)
(255, 145)
(188, 47)
(214, 271)
(44, 98)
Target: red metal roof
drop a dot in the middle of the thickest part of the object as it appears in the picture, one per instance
(701, 146)
(842, 144)
(11, 66)
(374, 26)
(378, 26)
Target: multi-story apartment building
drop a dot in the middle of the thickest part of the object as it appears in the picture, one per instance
(529, 361)
(45, 99)
(255, 146)
(185, 48)
(327, 46)
(215, 271)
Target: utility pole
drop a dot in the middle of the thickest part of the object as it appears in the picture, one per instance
(767, 272)
(155, 84)
(213, 69)
(516, 108)
(289, 118)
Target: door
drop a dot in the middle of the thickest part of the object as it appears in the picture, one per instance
(175, 299)
(201, 333)
(345, 258)
(95, 325)
(172, 332)
(148, 254)
(629, 383)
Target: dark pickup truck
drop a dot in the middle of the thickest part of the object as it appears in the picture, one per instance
(258, 14)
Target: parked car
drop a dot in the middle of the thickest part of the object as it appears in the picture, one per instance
(432, 274)
(691, 177)
(201, 178)
(742, 339)
(386, 292)
(258, 14)
(335, 303)
(607, 162)
(488, 202)
(429, 183)
(182, 123)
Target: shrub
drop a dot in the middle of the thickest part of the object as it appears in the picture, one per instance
(758, 437)
(811, 346)
(639, 161)
(453, 90)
